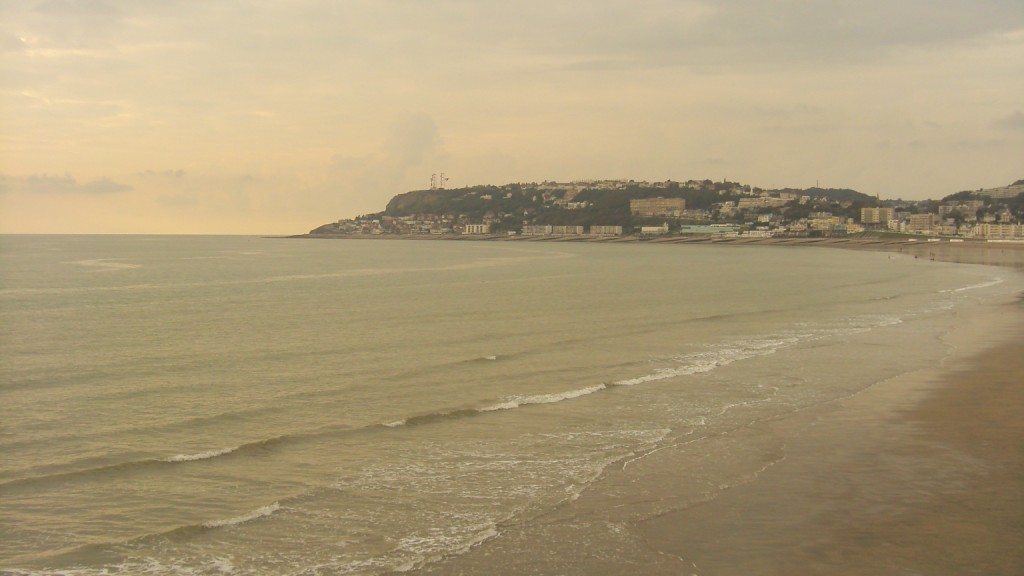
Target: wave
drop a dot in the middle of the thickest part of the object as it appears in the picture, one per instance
(106, 264)
(507, 404)
(707, 361)
(143, 565)
(138, 465)
(437, 416)
(517, 401)
(200, 455)
(992, 282)
(257, 513)
(685, 365)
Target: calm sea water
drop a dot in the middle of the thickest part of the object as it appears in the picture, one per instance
(241, 405)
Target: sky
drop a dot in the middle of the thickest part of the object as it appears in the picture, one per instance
(276, 116)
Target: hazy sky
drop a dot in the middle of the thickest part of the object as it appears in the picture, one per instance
(211, 116)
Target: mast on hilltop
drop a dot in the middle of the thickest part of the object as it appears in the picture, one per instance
(437, 181)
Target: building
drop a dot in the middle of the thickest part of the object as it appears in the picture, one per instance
(606, 230)
(654, 230)
(476, 229)
(657, 207)
(536, 230)
(761, 202)
(876, 215)
(922, 223)
(1000, 231)
(1003, 192)
(567, 230)
(709, 229)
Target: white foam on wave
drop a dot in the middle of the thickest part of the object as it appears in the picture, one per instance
(106, 264)
(395, 424)
(708, 361)
(200, 455)
(742, 349)
(257, 513)
(223, 565)
(436, 546)
(517, 401)
(993, 282)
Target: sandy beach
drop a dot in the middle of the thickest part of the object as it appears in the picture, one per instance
(923, 474)
(919, 474)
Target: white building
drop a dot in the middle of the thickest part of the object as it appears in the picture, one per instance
(476, 229)
(606, 230)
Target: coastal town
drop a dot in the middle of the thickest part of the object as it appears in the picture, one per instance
(636, 209)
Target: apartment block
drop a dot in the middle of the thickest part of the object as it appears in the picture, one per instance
(922, 222)
(657, 206)
(875, 215)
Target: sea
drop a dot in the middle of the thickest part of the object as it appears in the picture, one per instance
(209, 405)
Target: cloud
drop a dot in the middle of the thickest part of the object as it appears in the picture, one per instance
(178, 200)
(1013, 122)
(411, 140)
(10, 43)
(411, 151)
(179, 173)
(46, 184)
(740, 34)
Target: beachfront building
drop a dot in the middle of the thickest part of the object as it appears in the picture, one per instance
(649, 207)
(714, 229)
(536, 229)
(476, 229)
(567, 230)
(1000, 231)
(922, 223)
(654, 230)
(597, 230)
(876, 215)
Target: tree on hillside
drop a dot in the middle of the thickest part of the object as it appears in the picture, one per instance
(959, 196)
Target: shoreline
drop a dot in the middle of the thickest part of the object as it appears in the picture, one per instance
(920, 474)
(1008, 254)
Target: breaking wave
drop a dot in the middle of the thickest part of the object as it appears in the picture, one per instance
(517, 401)
(257, 513)
(200, 455)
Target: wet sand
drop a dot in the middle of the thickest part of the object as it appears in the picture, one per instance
(923, 474)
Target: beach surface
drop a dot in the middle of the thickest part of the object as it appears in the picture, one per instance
(919, 474)
(922, 474)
